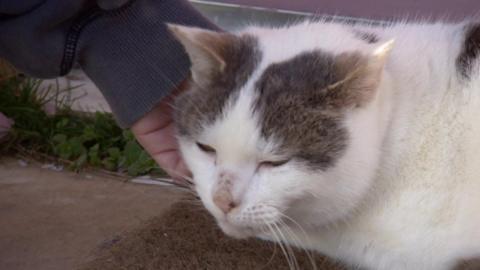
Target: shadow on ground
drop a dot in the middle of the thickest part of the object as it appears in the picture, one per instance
(186, 237)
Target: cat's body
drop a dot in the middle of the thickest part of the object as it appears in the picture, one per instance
(424, 207)
(393, 181)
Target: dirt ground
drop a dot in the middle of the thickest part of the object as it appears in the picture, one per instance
(57, 220)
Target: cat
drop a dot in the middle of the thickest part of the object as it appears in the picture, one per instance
(358, 142)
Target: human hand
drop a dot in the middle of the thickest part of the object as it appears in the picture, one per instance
(155, 132)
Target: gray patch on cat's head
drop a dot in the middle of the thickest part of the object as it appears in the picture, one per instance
(199, 107)
(368, 37)
(470, 51)
(301, 104)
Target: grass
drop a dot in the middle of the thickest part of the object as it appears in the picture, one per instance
(76, 139)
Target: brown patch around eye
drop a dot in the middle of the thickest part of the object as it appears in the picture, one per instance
(273, 163)
(206, 148)
(300, 113)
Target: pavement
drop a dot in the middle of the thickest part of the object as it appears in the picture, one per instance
(57, 220)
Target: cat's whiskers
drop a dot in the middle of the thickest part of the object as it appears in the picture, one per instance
(288, 248)
(296, 239)
(302, 230)
(192, 201)
(185, 177)
(189, 183)
(293, 238)
(271, 257)
(292, 235)
(190, 102)
(312, 194)
(187, 187)
(279, 242)
(266, 230)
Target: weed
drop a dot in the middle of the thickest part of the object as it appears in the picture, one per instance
(76, 138)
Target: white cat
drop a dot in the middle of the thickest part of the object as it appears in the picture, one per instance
(359, 142)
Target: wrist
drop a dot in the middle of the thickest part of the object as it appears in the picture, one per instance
(132, 57)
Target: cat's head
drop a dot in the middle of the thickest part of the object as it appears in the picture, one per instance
(280, 124)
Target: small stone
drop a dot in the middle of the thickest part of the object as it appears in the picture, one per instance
(53, 167)
(22, 163)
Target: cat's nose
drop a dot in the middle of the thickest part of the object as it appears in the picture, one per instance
(223, 199)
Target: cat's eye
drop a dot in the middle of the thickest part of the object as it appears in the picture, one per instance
(206, 148)
(270, 164)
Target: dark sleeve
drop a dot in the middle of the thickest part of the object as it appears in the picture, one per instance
(123, 46)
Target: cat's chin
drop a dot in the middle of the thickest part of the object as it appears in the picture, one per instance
(235, 231)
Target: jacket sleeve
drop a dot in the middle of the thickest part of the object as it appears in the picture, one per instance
(123, 46)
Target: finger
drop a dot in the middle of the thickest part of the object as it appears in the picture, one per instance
(157, 119)
(174, 165)
(167, 160)
(159, 141)
(184, 173)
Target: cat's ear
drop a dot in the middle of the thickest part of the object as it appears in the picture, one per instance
(359, 76)
(205, 49)
(380, 55)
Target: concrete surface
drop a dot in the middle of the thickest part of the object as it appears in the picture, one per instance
(85, 96)
(56, 220)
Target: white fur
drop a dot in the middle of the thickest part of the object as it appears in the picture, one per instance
(405, 195)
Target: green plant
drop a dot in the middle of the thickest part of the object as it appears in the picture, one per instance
(76, 138)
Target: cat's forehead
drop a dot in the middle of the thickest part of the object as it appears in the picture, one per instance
(281, 44)
(250, 67)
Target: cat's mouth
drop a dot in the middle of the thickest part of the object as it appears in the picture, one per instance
(258, 221)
